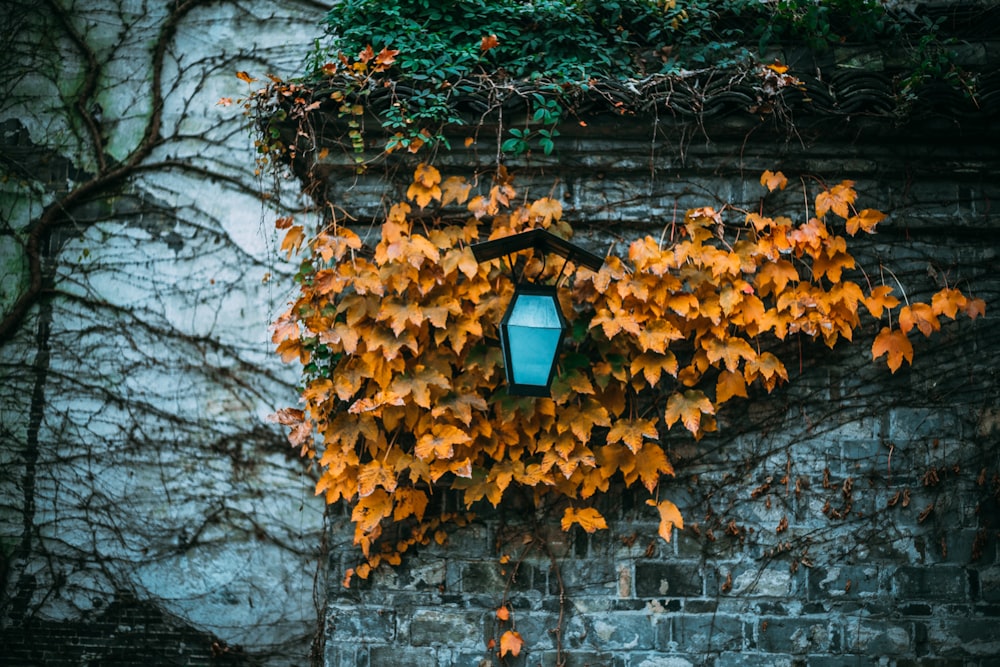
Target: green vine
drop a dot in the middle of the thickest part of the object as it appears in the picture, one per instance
(423, 59)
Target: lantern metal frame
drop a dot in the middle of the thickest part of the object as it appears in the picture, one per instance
(546, 243)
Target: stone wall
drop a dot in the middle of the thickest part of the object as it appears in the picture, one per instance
(148, 514)
(849, 518)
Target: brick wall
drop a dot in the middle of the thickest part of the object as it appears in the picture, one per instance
(849, 518)
(125, 633)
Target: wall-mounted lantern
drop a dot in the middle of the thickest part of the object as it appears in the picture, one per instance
(533, 327)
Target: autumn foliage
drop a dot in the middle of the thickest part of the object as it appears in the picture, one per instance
(404, 388)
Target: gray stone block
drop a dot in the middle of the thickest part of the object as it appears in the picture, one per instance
(874, 638)
(707, 633)
(451, 627)
(796, 636)
(941, 582)
(360, 623)
(658, 580)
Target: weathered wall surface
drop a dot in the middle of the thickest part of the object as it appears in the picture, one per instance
(849, 518)
(149, 513)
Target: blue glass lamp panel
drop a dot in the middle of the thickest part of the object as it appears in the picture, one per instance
(531, 334)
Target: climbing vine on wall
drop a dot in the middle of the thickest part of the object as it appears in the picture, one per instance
(403, 386)
(403, 382)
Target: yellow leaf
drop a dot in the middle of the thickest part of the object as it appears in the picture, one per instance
(651, 365)
(670, 516)
(423, 194)
(409, 502)
(773, 277)
(293, 240)
(503, 614)
(454, 189)
(588, 518)
(547, 209)
(688, 408)
(657, 335)
(426, 175)
(730, 351)
(895, 345)
(370, 510)
(615, 323)
(399, 313)
(632, 432)
(730, 384)
(650, 463)
(372, 475)
(510, 642)
(440, 442)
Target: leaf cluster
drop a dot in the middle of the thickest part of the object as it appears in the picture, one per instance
(558, 40)
(403, 381)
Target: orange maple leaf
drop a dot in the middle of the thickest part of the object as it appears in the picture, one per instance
(919, 315)
(656, 335)
(588, 518)
(773, 180)
(510, 642)
(503, 614)
(894, 344)
(864, 221)
(831, 265)
(409, 502)
(948, 302)
(370, 510)
(688, 407)
(650, 463)
(485, 44)
(730, 384)
(399, 313)
(385, 58)
(614, 323)
(418, 384)
(291, 349)
(460, 404)
(838, 199)
(425, 186)
(440, 442)
(773, 277)
(670, 516)
(880, 299)
(293, 240)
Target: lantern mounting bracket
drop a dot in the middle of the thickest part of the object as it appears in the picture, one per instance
(537, 239)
